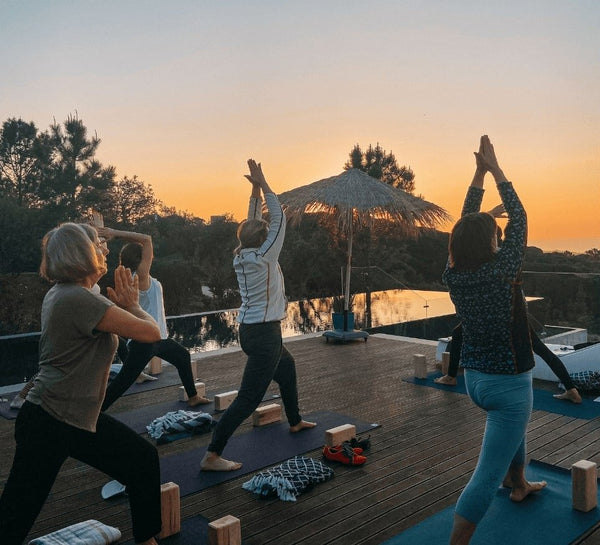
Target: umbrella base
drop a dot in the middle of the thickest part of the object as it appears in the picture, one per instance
(343, 336)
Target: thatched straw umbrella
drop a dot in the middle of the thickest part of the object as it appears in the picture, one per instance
(354, 197)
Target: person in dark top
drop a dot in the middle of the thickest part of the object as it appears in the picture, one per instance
(484, 285)
(552, 360)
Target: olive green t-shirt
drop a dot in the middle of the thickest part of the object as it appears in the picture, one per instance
(75, 358)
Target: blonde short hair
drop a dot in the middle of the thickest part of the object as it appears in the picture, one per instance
(70, 255)
(251, 234)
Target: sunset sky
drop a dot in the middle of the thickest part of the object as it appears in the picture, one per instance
(183, 92)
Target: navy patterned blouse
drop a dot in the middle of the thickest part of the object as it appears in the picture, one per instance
(489, 300)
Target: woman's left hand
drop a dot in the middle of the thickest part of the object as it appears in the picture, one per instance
(126, 292)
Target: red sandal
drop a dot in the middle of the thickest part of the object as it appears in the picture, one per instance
(344, 454)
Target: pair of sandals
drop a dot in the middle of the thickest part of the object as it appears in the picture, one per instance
(349, 452)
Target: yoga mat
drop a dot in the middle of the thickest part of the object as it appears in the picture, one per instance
(259, 448)
(169, 377)
(542, 399)
(138, 419)
(194, 531)
(545, 517)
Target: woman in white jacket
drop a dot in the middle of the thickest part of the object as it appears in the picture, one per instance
(260, 314)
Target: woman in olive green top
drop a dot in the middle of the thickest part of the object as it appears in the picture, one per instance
(61, 416)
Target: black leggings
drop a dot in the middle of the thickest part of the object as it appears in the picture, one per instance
(137, 358)
(267, 360)
(44, 443)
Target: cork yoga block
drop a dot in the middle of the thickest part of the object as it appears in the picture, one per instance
(336, 436)
(225, 531)
(170, 510)
(267, 414)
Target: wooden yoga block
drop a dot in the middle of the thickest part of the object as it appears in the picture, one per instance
(155, 366)
(420, 363)
(170, 511)
(200, 390)
(266, 414)
(584, 476)
(194, 365)
(222, 401)
(336, 436)
(445, 362)
(225, 531)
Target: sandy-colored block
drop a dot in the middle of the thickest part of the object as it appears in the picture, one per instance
(420, 363)
(222, 401)
(225, 531)
(170, 510)
(200, 390)
(445, 362)
(336, 436)
(155, 366)
(266, 414)
(195, 365)
(584, 476)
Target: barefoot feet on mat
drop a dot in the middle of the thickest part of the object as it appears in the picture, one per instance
(521, 492)
(570, 395)
(302, 425)
(198, 400)
(446, 379)
(213, 462)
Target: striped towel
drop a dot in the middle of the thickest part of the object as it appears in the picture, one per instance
(90, 532)
(290, 479)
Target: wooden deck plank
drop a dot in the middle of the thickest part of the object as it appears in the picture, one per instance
(421, 457)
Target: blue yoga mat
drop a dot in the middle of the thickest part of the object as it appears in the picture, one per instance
(546, 517)
(259, 448)
(138, 419)
(542, 399)
(194, 531)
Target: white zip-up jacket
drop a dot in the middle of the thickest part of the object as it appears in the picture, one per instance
(257, 269)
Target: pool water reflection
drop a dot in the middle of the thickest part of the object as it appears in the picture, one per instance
(211, 331)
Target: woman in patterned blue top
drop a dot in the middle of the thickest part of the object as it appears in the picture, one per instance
(484, 286)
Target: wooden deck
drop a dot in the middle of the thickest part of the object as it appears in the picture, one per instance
(420, 459)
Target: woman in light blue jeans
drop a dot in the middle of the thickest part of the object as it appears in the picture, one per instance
(508, 401)
(484, 282)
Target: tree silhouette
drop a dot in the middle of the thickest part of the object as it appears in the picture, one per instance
(379, 164)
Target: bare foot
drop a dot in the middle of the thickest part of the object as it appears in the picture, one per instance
(302, 425)
(507, 482)
(569, 395)
(446, 379)
(198, 400)
(143, 377)
(213, 462)
(521, 492)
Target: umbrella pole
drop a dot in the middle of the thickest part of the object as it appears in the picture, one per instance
(348, 272)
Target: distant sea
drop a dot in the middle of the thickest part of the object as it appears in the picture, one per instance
(575, 245)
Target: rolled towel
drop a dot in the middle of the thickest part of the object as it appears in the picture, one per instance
(90, 532)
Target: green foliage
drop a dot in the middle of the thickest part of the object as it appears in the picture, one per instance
(19, 165)
(130, 200)
(379, 164)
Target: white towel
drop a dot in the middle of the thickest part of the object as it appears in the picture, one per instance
(90, 532)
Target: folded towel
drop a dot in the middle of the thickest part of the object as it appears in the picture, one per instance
(90, 532)
(179, 424)
(289, 479)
